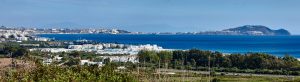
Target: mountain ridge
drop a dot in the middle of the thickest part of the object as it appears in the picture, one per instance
(257, 30)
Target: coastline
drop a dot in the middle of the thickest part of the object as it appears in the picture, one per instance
(225, 44)
(161, 34)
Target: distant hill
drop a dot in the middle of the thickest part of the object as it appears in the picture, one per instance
(257, 30)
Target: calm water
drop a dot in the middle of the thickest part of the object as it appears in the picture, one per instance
(277, 45)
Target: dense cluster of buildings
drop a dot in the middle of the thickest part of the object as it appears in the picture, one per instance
(28, 34)
(61, 30)
(13, 35)
(103, 48)
(79, 31)
(18, 35)
(115, 52)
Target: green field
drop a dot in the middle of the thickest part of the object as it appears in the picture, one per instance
(222, 79)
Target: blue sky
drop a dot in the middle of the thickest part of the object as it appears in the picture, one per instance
(152, 15)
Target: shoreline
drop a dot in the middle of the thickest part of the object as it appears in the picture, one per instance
(278, 52)
(160, 34)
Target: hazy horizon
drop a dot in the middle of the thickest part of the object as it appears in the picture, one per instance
(152, 15)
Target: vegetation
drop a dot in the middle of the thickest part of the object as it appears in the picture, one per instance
(147, 68)
(13, 51)
(68, 74)
(201, 60)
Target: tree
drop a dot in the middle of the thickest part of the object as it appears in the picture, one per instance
(75, 54)
(193, 63)
(20, 52)
(165, 57)
(8, 49)
(72, 62)
(148, 56)
(226, 62)
(99, 59)
(290, 61)
(106, 61)
(11, 36)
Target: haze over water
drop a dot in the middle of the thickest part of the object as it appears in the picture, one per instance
(276, 45)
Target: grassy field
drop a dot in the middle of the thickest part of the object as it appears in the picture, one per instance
(219, 78)
(222, 79)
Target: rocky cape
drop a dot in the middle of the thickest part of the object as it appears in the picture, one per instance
(257, 30)
(253, 30)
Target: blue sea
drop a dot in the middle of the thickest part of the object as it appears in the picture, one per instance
(275, 45)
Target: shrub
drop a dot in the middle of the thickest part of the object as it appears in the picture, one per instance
(215, 80)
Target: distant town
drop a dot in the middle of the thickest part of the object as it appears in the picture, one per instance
(8, 33)
(26, 37)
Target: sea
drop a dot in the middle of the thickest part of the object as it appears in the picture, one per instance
(275, 45)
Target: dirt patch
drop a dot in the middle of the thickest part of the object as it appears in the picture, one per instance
(6, 63)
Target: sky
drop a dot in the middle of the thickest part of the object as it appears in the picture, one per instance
(151, 15)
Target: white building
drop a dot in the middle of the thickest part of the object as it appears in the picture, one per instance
(47, 61)
(52, 50)
(128, 58)
(22, 38)
(41, 39)
(86, 46)
(87, 62)
(57, 58)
